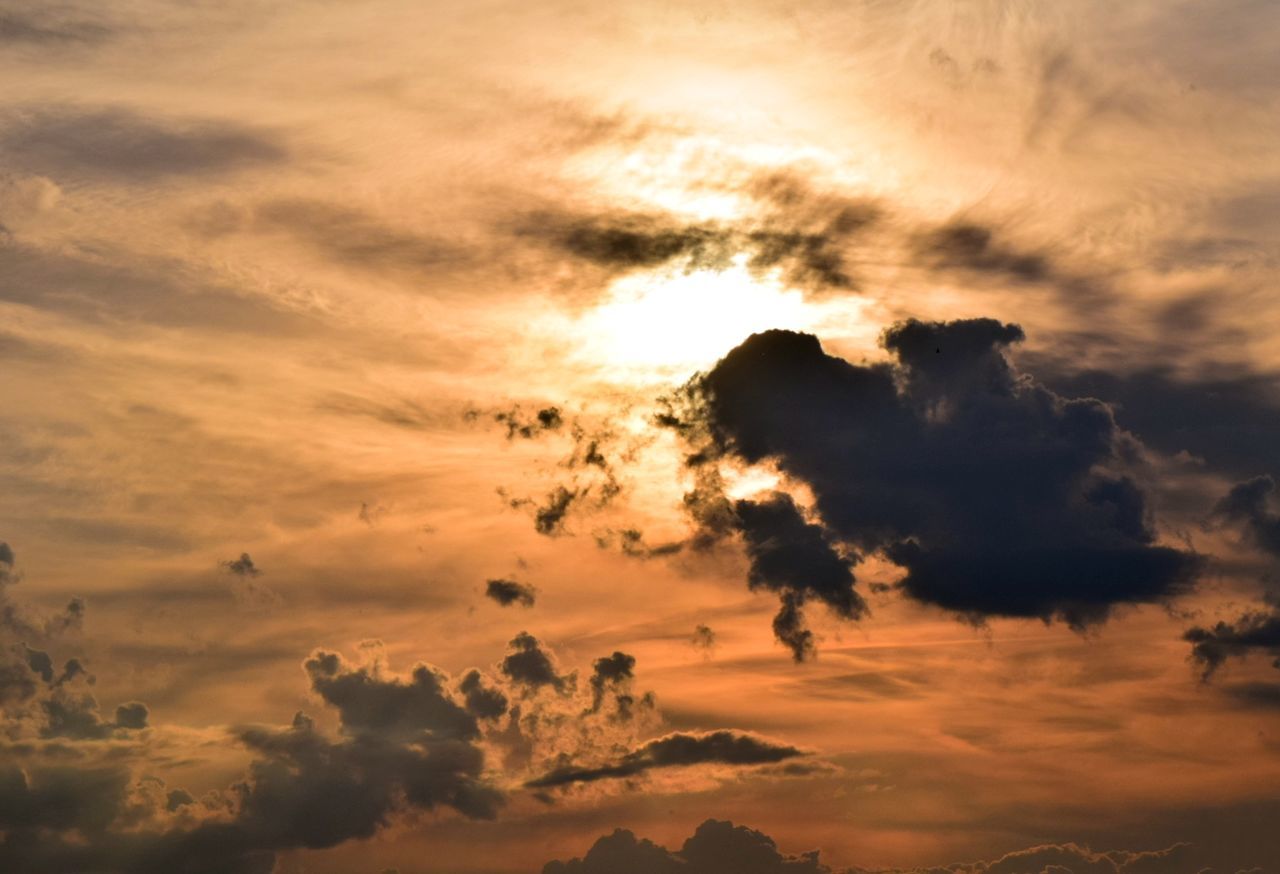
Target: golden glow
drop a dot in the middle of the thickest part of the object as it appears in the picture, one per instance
(673, 322)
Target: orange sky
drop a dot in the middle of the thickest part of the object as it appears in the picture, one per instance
(284, 289)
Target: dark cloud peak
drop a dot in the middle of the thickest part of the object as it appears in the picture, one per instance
(482, 702)
(672, 751)
(529, 665)
(371, 704)
(997, 496)
(613, 672)
(719, 847)
(716, 847)
(508, 592)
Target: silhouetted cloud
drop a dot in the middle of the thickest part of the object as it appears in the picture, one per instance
(716, 847)
(1247, 504)
(675, 750)
(481, 702)
(389, 707)
(529, 665)
(614, 673)
(1258, 631)
(997, 496)
(508, 592)
(719, 847)
(1229, 420)
(798, 559)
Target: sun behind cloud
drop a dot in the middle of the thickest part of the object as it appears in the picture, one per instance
(663, 324)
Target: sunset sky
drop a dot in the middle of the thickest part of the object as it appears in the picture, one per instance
(436, 436)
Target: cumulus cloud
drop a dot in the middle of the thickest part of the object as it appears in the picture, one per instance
(995, 495)
(530, 666)
(508, 592)
(716, 847)
(675, 750)
(719, 847)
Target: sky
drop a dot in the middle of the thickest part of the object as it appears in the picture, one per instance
(639, 437)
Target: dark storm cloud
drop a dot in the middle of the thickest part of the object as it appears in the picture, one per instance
(799, 560)
(118, 143)
(529, 665)
(1256, 632)
(1248, 504)
(370, 704)
(675, 751)
(1229, 420)
(716, 847)
(508, 592)
(997, 496)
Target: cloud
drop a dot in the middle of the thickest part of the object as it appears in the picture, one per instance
(508, 592)
(719, 847)
(1230, 420)
(974, 247)
(242, 566)
(48, 28)
(372, 704)
(799, 233)
(799, 560)
(481, 702)
(612, 673)
(703, 638)
(528, 427)
(995, 495)
(716, 847)
(1247, 504)
(530, 666)
(672, 751)
(1253, 632)
(126, 145)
